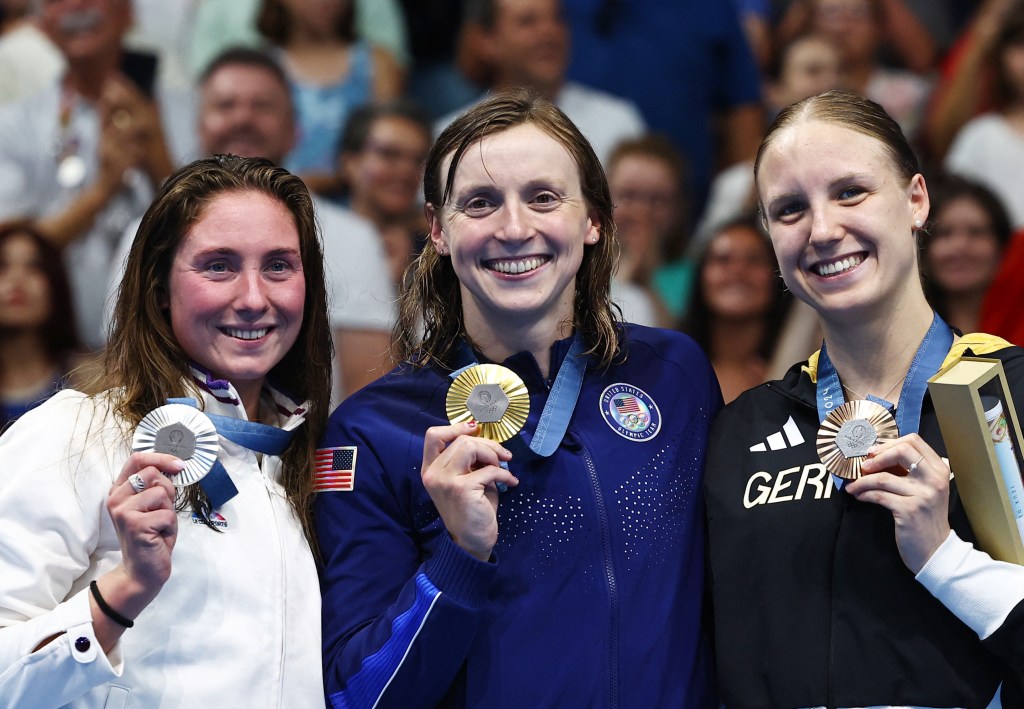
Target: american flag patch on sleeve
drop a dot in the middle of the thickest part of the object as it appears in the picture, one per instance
(335, 469)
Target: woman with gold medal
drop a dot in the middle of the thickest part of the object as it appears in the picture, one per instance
(851, 580)
(512, 517)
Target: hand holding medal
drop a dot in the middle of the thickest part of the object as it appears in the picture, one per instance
(464, 464)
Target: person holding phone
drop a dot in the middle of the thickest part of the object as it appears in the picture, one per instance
(83, 157)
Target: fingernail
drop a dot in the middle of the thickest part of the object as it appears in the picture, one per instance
(179, 464)
(471, 424)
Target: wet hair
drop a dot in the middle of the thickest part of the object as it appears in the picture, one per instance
(699, 318)
(274, 22)
(59, 332)
(143, 361)
(852, 111)
(248, 57)
(948, 189)
(660, 147)
(359, 125)
(431, 304)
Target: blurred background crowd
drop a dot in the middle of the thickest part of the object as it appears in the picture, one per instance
(101, 99)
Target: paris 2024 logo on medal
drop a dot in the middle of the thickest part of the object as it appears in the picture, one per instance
(630, 412)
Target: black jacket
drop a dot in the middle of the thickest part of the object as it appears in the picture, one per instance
(812, 603)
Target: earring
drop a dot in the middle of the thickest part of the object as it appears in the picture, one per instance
(918, 224)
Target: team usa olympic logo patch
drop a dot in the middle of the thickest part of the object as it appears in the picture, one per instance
(630, 412)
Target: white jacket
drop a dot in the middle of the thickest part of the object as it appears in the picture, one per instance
(237, 623)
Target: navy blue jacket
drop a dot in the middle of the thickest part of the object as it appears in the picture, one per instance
(593, 594)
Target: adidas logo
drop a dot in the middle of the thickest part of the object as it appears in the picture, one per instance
(778, 440)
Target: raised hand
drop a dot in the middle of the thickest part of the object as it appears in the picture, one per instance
(461, 472)
(907, 477)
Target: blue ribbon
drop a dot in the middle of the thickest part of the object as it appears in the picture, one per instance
(259, 437)
(558, 410)
(927, 361)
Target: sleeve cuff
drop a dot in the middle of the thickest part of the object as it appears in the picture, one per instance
(461, 576)
(976, 588)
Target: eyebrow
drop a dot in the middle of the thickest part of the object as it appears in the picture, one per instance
(223, 251)
(832, 185)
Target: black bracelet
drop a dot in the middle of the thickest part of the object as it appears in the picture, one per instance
(107, 610)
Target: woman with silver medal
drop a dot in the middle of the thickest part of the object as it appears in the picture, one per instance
(852, 581)
(512, 516)
(153, 527)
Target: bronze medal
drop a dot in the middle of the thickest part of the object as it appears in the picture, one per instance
(493, 396)
(847, 433)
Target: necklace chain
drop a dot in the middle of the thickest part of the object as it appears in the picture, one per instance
(883, 396)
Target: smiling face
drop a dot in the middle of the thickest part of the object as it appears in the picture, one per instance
(237, 289)
(963, 251)
(515, 227)
(24, 288)
(841, 219)
(385, 175)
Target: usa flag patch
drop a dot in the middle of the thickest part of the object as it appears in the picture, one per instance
(335, 469)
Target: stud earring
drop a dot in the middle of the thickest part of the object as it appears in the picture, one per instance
(918, 224)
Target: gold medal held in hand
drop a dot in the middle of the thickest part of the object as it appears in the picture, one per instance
(849, 431)
(493, 396)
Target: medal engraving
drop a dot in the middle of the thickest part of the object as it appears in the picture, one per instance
(487, 403)
(176, 440)
(493, 396)
(855, 437)
(849, 431)
(184, 432)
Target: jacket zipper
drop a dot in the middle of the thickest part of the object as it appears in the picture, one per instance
(284, 582)
(609, 573)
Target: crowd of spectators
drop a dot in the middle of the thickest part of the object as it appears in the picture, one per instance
(101, 99)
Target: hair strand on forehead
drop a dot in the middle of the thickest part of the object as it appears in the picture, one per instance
(430, 307)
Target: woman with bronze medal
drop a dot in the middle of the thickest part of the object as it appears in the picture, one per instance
(512, 517)
(153, 527)
(842, 569)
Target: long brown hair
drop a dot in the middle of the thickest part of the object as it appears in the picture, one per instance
(143, 362)
(431, 303)
(59, 332)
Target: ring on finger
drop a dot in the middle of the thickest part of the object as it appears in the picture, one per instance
(137, 483)
(913, 466)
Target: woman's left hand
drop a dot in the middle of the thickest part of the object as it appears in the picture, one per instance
(908, 478)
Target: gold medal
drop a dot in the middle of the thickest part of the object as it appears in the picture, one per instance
(184, 432)
(493, 396)
(849, 431)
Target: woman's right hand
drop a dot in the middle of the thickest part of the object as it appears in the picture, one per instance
(146, 522)
(460, 472)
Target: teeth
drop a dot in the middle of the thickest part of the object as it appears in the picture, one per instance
(246, 334)
(831, 269)
(517, 266)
